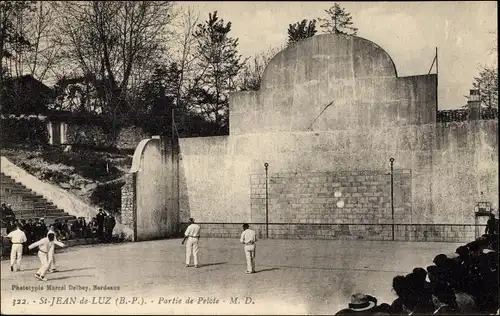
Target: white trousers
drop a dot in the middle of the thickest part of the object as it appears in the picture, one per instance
(250, 255)
(44, 263)
(16, 254)
(52, 262)
(192, 248)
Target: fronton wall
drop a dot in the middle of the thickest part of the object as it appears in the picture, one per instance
(440, 172)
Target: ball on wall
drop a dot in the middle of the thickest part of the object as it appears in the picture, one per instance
(340, 204)
(337, 194)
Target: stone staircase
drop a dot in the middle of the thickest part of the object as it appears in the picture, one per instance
(27, 204)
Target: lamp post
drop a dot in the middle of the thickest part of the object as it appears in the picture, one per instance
(392, 195)
(266, 165)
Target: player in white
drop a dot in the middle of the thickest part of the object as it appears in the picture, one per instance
(18, 238)
(248, 238)
(45, 253)
(192, 235)
(52, 258)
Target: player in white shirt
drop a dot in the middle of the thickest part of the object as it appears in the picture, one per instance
(52, 258)
(248, 238)
(18, 238)
(45, 253)
(192, 235)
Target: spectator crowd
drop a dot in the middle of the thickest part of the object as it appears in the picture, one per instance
(463, 283)
(101, 226)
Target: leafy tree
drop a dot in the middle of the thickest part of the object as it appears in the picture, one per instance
(11, 38)
(487, 80)
(251, 75)
(37, 24)
(118, 43)
(487, 84)
(218, 64)
(338, 21)
(301, 30)
(78, 94)
(158, 96)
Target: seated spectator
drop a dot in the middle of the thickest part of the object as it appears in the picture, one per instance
(421, 276)
(83, 225)
(57, 233)
(362, 304)
(93, 228)
(418, 298)
(28, 230)
(444, 299)
(66, 234)
(57, 225)
(400, 287)
(109, 225)
(492, 225)
(40, 229)
(434, 274)
(7, 212)
(76, 229)
(449, 269)
(465, 303)
(10, 226)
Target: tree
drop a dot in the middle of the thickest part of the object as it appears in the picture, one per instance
(158, 96)
(115, 43)
(250, 77)
(218, 64)
(77, 94)
(10, 37)
(186, 58)
(38, 25)
(301, 30)
(487, 84)
(487, 80)
(338, 21)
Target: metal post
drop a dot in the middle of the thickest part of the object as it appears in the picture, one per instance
(172, 158)
(392, 194)
(267, 204)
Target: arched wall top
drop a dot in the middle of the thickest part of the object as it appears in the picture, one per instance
(136, 160)
(336, 56)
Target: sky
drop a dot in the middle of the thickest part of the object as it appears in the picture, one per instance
(464, 33)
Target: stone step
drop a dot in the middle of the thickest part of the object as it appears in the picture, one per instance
(42, 204)
(50, 207)
(13, 186)
(18, 191)
(33, 197)
(28, 210)
(51, 219)
(28, 204)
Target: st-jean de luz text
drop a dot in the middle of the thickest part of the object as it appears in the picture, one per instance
(48, 287)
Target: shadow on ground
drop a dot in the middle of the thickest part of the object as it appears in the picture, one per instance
(211, 264)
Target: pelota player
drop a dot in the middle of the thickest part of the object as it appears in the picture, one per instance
(45, 253)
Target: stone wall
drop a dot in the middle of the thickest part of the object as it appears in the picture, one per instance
(447, 167)
(355, 77)
(93, 135)
(149, 197)
(441, 169)
(402, 232)
(128, 204)
(312, 197)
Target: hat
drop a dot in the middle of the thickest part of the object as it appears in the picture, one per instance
(361, 302)
(42, 219)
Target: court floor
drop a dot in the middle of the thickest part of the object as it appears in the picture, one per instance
(293, 277)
